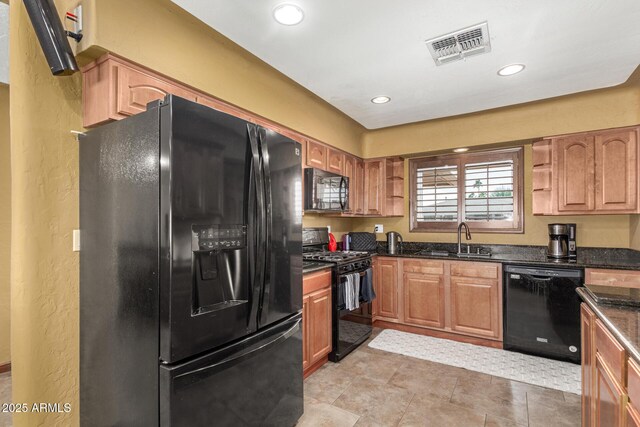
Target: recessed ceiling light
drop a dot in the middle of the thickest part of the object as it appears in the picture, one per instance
(288, 14)
(510, 70)
(380, 99)
(460, 150)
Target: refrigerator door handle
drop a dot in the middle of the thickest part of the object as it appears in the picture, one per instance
(256, 161)
(265, 296)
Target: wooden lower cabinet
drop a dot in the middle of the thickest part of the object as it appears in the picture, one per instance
(610, 397)
(459, 297)
(475, 306)
(633, 418)
(387, 292)
(423, 300)
(306, 356)
(587, 322)
(316, 320)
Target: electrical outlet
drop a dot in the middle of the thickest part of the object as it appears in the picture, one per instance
(378, 228)
(328, 229)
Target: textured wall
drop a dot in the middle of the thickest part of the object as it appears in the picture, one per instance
(44, 282)
(5, 226)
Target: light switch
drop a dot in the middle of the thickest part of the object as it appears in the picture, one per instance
(76, 240)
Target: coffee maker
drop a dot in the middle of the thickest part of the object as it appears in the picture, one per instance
(562, 241)
(558, 247)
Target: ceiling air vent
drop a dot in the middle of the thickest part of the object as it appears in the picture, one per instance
(460, 44)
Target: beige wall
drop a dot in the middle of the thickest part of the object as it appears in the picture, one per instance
(5, 226)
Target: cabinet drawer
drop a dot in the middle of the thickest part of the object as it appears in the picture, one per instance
(622, 278)
(475, 269)
(315, 281)
(423, 266)
(633, 382)
(611, 352)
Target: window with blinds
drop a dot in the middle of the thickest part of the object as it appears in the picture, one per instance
(482, 189)
(437, 193)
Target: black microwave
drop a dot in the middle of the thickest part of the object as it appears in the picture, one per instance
(325, 191)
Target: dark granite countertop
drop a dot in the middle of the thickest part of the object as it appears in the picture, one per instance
(312, 267)
(611, 258)
(622, 321)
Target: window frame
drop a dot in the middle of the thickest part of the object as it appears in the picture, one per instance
(515, 154)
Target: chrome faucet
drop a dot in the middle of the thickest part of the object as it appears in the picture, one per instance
(467, 235)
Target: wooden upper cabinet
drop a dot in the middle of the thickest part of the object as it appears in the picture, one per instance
(316, 155)
(374, 186)
(592, 173)
(475, 303)
(575, 172)
(135, 89)
(356, 199)
(349, 170)
(424, 300)
(387, 292)
(335, 161)
(616, 174)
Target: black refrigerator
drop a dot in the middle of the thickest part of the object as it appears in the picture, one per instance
(190, 271)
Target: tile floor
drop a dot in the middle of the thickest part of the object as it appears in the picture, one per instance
(5, 396)
(375, 388)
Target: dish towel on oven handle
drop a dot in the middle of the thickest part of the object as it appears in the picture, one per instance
(351, 291)
(366, 285)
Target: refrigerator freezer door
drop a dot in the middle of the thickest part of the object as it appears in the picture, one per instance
(208, 216)
(255, 382)
(282, 293)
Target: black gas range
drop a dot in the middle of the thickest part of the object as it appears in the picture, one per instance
(351, 325)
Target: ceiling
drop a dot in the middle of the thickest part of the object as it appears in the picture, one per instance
(4, 43)
(348, 52)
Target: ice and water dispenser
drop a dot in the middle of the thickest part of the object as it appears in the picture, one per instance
(217, 266)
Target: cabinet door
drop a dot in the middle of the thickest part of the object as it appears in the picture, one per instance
(609, 398)
(357, 196)
(587, 323)
(335, 161)
(305, 333)
(475, 306)
(423, 300)
(320, 324)
(575, 166)
(374, 188)
(316, 155)
(350, 172)
(388, 288)
(135, 89)
(375, 311)
(633, 418)
(616, 163)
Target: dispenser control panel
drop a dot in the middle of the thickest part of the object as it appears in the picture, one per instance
(213, 237)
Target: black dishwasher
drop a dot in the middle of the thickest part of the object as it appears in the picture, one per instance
(542, 311)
